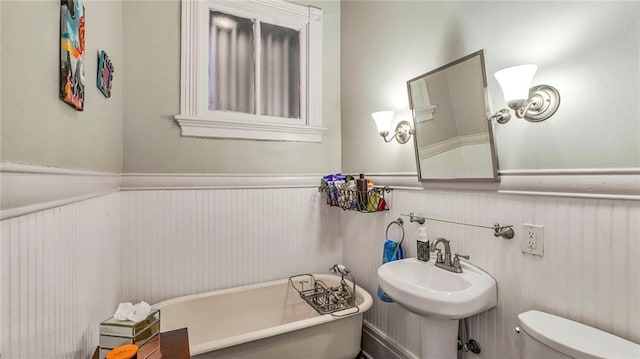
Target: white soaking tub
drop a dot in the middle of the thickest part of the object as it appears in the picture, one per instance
(267, 320)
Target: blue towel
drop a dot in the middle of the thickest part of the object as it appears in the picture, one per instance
(390, 254)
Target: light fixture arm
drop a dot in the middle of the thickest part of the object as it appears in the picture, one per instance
(384, 136)
(402, 134)
(521, 112)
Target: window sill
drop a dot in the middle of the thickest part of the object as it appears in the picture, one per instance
(193, 126)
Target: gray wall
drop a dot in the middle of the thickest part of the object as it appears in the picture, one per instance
(152, 140)
(37, 127)
(588, 50)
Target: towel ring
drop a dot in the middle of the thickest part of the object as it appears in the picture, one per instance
(400, 223)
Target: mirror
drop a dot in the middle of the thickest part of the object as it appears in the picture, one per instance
(453, 136)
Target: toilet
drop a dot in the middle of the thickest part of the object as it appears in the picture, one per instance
(547, 336)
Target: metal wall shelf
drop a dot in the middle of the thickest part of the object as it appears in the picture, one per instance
(372, 200)
(504, 231)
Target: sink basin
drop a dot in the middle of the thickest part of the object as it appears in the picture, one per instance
(440, 298)
(424, 289)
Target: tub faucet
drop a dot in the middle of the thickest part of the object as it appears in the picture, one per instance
(344, 292)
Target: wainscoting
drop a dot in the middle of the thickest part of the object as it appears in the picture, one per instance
(178, 242)
(590, 271)
(66, 268)
(60, 278)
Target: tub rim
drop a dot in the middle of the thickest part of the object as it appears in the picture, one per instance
(271, 331)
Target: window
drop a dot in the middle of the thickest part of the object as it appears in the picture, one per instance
(251, 69)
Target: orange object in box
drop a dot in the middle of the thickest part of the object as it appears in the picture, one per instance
(127, 351)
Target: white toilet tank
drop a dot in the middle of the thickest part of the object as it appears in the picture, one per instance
(546, 336)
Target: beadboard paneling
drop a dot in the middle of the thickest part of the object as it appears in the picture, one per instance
(590, 271)
(65, 269)
(179, 242)
(60, 278)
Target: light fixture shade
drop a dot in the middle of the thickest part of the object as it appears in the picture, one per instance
(383, 120)
(515, 81)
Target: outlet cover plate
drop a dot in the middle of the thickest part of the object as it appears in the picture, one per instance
(532, 239)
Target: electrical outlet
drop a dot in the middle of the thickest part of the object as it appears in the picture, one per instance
(532, 241)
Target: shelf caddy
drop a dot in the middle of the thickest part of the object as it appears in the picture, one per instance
(504, 231)
(372, 200)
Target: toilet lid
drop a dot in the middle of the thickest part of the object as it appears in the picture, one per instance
(575, 339)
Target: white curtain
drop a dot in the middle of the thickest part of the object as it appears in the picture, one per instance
(231, 64)
(280, 67)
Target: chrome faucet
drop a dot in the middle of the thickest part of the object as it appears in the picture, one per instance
(445, 262)
(447, 251)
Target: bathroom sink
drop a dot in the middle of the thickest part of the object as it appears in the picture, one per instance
(426, 290)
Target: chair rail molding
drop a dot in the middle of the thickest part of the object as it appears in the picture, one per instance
(189, 181)
(605, 183)
(27, 188)
(609, 183)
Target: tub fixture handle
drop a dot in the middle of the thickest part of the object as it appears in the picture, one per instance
(340, 269)
(518, 330)
(302, 283)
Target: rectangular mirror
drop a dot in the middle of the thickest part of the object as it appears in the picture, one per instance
(453, 136)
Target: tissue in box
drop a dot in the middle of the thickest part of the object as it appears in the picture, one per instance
(127, 328)
(111, 341)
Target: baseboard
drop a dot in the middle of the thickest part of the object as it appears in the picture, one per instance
(376, 345)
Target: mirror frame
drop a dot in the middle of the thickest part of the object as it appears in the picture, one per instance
(494, 154)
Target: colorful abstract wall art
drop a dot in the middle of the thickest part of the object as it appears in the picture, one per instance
(72, 27)
(105, 74)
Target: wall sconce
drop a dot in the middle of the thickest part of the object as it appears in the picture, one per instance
(383, 122)
(534, 104)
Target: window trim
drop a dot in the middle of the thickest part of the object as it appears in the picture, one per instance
(195, 118)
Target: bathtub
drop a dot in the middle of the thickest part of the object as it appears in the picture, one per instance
(267, 320)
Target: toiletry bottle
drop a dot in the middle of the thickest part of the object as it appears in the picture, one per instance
(340, 184)
(373, 201)
(361, 184)
(423, 244)
(351, 192)
(372, 197)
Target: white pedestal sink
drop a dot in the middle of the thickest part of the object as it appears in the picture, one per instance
(440, 297)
